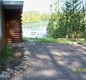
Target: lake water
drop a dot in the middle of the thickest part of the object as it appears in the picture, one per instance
(34, 32)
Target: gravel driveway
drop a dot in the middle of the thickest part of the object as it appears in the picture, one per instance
(54, 62)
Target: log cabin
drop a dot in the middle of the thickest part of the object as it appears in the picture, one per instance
(10, 21)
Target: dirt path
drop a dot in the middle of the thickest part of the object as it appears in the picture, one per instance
(54, 62)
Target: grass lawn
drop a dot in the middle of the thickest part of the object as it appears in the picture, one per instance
(59, 40)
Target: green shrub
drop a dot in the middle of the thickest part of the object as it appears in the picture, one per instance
(6, 53)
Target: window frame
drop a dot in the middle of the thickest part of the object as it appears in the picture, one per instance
(0, 21)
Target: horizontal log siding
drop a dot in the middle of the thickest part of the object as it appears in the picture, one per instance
(3, 40)
(13, 24)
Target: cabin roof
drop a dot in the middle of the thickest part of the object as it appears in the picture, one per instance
(13, 4)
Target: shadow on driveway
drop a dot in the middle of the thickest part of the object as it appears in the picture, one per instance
(54, 62)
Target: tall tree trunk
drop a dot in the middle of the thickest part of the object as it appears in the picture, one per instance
(72, 35)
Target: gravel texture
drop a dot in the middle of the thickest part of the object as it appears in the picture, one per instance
(52, 62)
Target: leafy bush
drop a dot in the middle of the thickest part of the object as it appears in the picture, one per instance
(6, 53)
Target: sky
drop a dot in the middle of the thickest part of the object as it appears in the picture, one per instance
(43, 6)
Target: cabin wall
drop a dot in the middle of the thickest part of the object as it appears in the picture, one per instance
(13, 25)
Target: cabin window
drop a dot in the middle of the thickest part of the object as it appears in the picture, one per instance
(0, 24)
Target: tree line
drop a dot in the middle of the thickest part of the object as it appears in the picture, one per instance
(34, 16)
(69, 22)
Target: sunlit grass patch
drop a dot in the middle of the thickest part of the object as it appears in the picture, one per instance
(59, 40)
